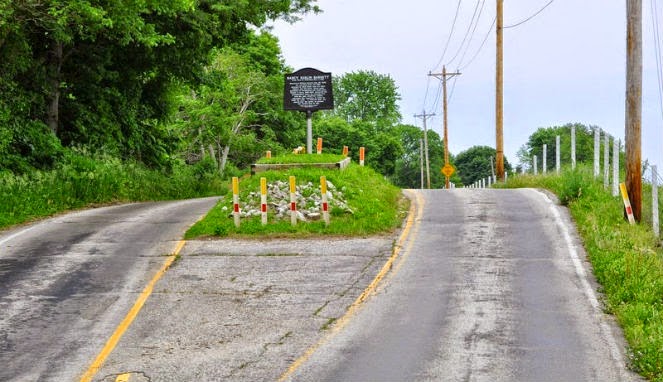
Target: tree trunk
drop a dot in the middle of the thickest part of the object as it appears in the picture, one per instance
(55, 70)
(224, 159)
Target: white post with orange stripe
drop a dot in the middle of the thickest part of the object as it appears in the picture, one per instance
(293, 201)
(325, 202)
(236, 201)
(627, 203)
(361, 156)
(319, 146)
(263, 200)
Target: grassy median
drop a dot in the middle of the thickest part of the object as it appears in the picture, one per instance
(375, 206)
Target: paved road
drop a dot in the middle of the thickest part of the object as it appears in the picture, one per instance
(488, 290)
(485, 288)
(67, 282)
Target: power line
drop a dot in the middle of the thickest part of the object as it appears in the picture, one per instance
(467, 33)
(446, 46)
(476, 24)
(531, 17)
(490, 30)
(657, 52)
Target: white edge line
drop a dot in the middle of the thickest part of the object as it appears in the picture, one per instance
(607, 332)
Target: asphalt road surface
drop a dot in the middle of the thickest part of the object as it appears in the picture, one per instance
(487, 285)
(491, 288)
(65, 283)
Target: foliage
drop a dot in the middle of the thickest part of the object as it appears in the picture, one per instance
(627, 261)
(475, 164)
(79, 181)
(104, 75)
(367, 96)
(408, 166)
(374, 201)
(534, 145)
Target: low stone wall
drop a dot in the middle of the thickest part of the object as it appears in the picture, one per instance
(259, 167)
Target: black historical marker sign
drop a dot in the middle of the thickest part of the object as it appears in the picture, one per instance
(308, 90)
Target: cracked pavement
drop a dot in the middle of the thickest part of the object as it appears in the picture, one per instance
(243, 310)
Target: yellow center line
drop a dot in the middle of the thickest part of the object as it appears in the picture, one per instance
(129, 318)
(414, 216)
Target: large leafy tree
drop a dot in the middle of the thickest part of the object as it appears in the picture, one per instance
(102, 74)
(475, 164)
(408, 166)
(547, 136)
(367, 96)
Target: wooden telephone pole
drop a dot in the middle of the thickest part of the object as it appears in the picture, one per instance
(443, 76)
(499, 92)
(425, 116)
(634, 105)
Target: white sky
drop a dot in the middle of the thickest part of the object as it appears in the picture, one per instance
(565, 65)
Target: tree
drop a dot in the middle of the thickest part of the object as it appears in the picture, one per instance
(534, 145)
(475, 164)
(367, 96)
(104, 74)
(408, 166)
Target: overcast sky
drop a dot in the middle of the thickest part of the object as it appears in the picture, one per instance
(567, 64)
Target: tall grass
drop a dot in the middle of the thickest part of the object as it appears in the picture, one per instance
(627, 261)
(79, 181)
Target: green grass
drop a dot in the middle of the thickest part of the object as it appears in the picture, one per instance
(79, 181)
(627, 261)
(377, 207)
(303, 158)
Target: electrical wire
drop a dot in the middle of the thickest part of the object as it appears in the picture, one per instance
(476, 24)
(531, 17)
(453, 25)
(467, 33)
(490, 30)
(657, 51)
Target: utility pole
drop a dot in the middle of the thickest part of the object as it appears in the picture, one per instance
(634, 105)
(499, 93)
(443, 76)
(425, 116)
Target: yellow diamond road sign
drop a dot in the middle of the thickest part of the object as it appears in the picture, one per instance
(448, 170)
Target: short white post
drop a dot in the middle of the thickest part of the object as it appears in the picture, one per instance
(361, 156)
(483, 183)
(606, 162)
(263, 200)
(325, 202)
(506, 176)
(490, 179)
(544, 160)
(536, 168)
(557, 154)
(654, 201)
(615, 167)
(293, 201)
(597, 144)
(573, 147)
(236, 201)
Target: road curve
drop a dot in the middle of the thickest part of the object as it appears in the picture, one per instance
(66, 282)
(491, 286)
